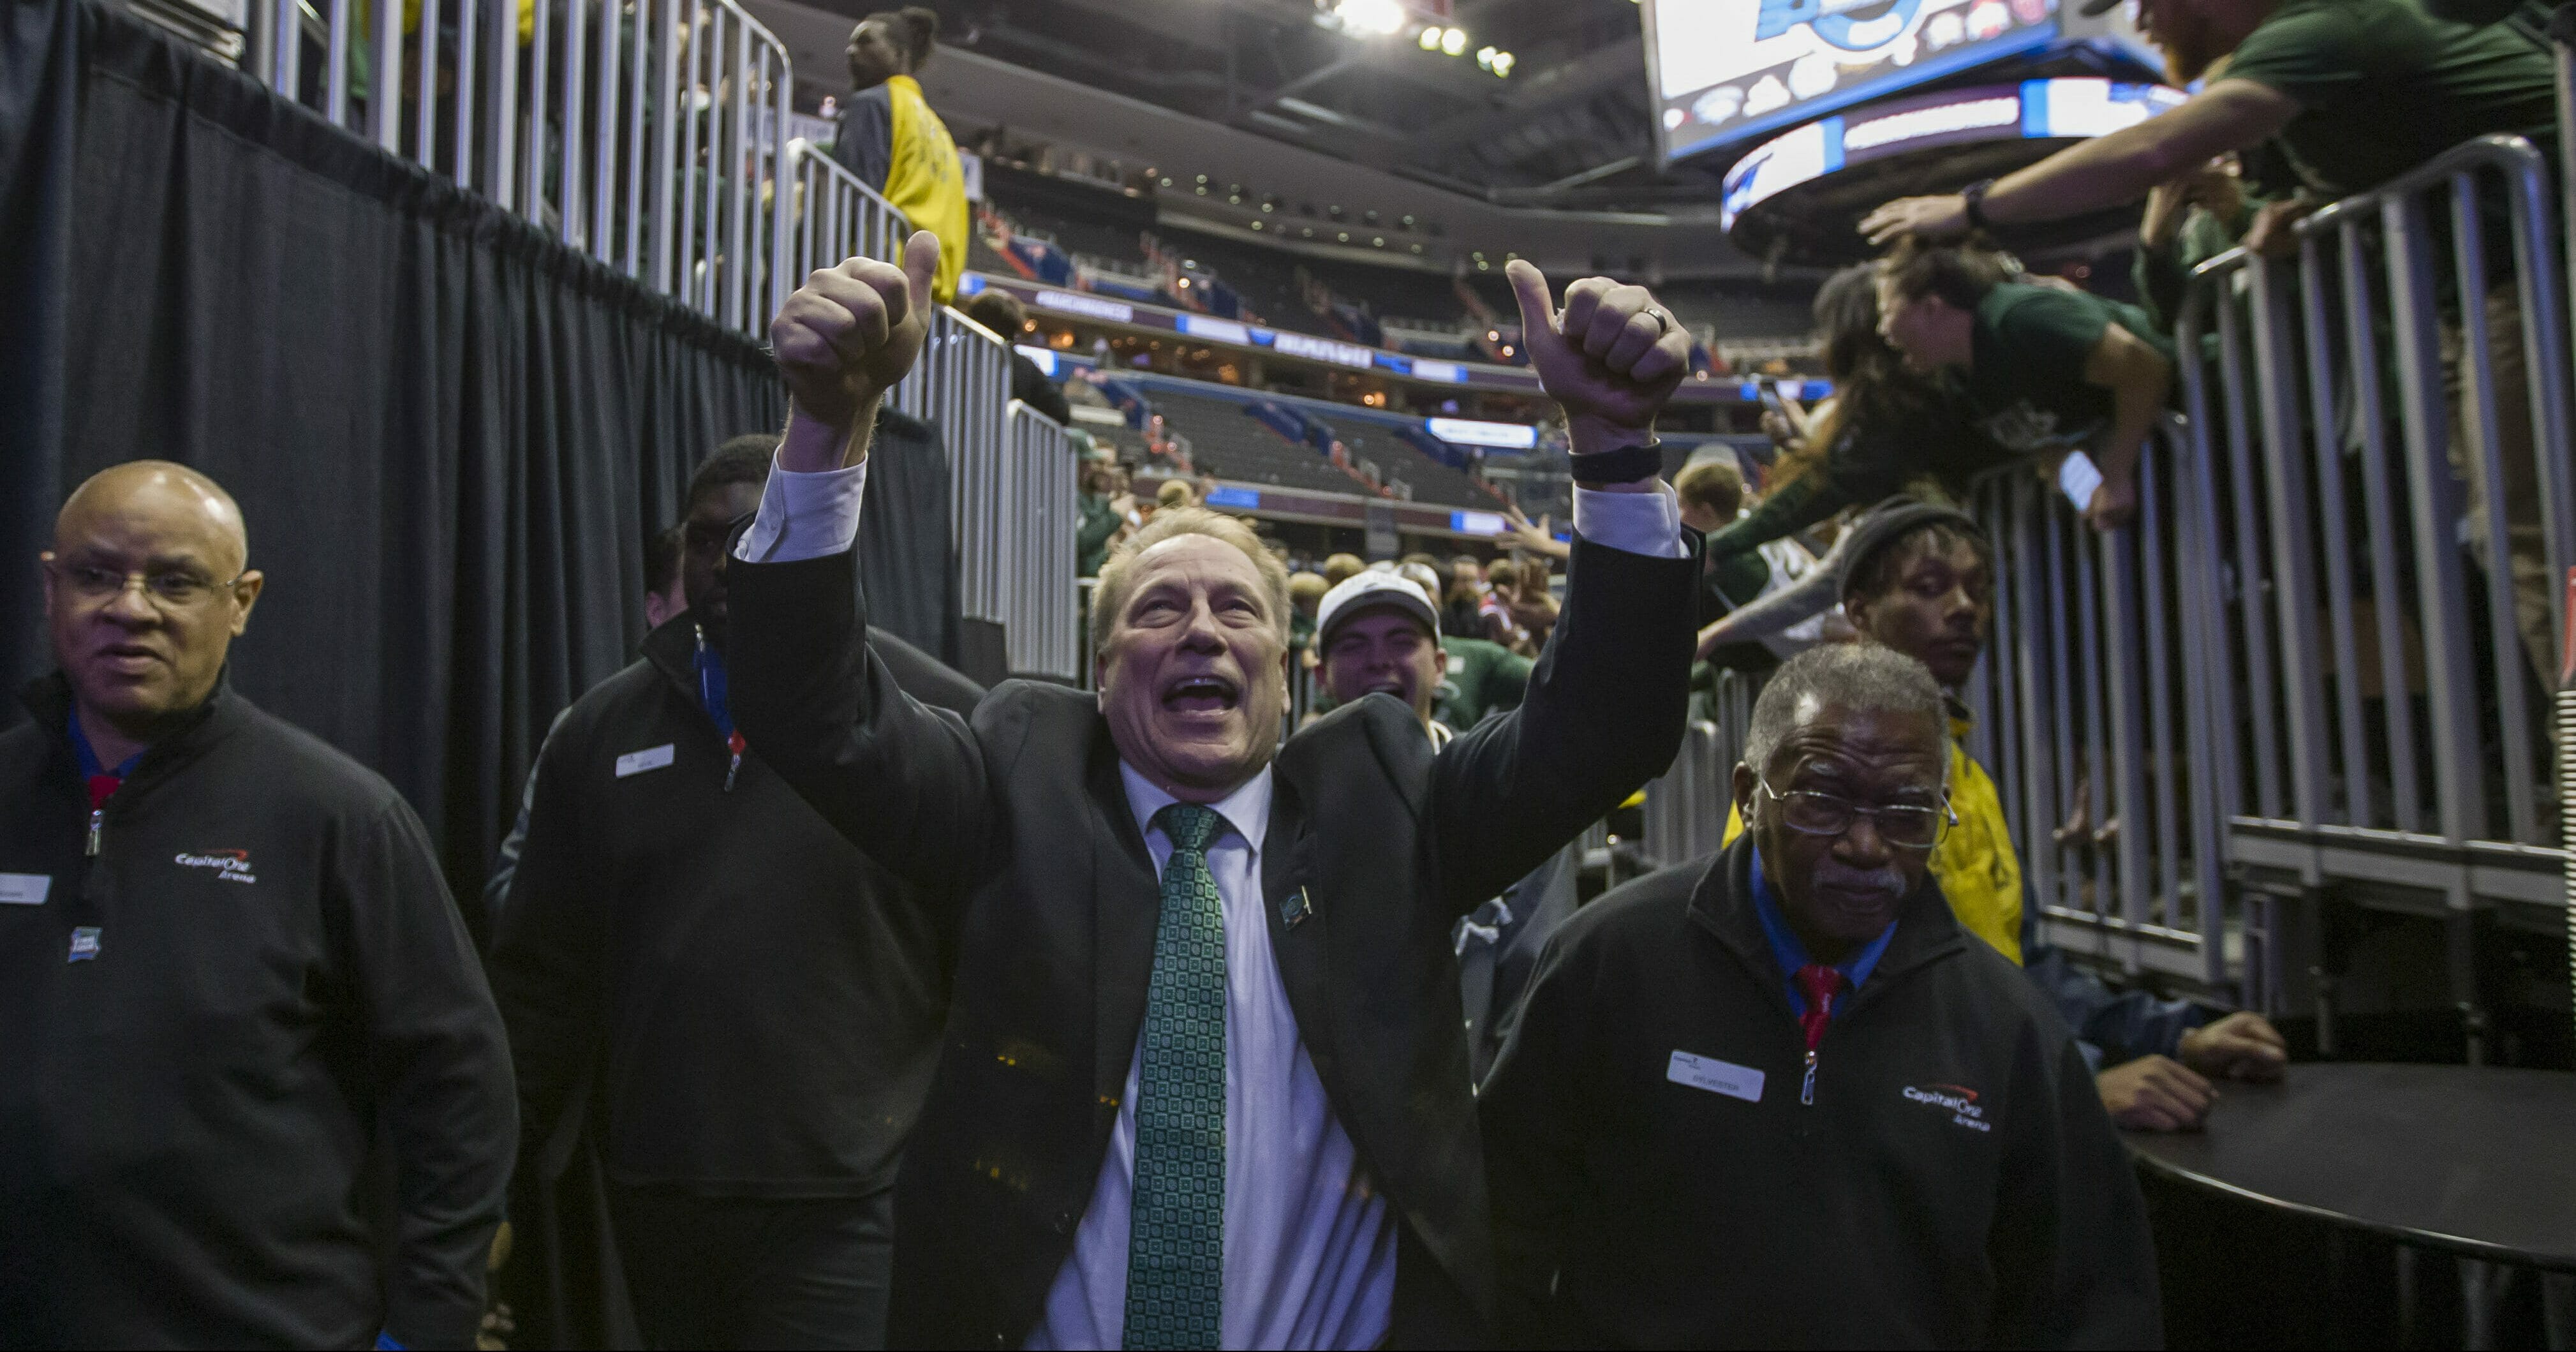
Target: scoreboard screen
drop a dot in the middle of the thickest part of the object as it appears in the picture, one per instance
(1724, 70)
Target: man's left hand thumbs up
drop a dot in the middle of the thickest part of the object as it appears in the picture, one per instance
(1610, 358)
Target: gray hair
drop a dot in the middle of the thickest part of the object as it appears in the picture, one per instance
(1854, 675)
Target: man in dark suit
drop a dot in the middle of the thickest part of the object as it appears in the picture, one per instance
(1205, 1079)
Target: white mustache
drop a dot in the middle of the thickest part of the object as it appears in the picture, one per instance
(1843, 878)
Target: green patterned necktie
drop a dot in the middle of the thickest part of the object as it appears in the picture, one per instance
(1176, 1236)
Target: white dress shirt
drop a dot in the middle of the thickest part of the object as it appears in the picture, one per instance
(1309, 1244)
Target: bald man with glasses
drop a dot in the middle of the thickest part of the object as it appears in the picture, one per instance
(253, 1091)
(1781, 1098)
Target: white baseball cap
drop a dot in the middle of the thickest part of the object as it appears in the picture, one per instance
(1373, 591)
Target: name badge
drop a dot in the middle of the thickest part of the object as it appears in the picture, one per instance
(84, 944)
(1715, 1076)
(637, 762)
(25, 889)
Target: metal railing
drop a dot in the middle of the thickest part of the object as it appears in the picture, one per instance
(2091, 711)
(1686, 807)
(2383, 433)
(645, 134)
(1021, 574)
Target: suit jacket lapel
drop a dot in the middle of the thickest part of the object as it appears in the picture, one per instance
(1126, 904)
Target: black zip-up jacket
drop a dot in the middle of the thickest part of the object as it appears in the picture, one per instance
(1658, 1182)
(272, 986)
(764, 1003)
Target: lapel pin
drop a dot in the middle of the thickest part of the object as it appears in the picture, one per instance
(1293, 908)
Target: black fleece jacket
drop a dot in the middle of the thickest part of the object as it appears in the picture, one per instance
(224, 1039)
(763, 1002)
(1658, 1182)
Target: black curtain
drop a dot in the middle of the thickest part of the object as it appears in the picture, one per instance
(448, 432)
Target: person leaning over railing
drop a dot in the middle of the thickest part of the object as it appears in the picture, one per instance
(2352, 93)
(2046, 370)
(1888, 429)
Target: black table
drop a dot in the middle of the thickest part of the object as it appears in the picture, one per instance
(2479, 1162)
(2456, 1160)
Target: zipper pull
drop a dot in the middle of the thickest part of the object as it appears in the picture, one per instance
(735, 744)
(732, 770)
(97, 822)
(1807, 1091)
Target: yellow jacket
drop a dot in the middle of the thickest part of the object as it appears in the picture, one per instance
(1975, 863)
(926, 183)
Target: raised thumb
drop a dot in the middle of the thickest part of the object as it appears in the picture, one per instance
(920, 266)
(1538, 311)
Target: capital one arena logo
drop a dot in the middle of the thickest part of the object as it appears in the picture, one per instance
(232, 866)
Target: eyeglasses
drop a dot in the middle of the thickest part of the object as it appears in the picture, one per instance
(167, 589)
(702, 539)
(1823, 814)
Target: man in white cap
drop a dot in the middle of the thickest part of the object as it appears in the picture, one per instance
(1378, 633)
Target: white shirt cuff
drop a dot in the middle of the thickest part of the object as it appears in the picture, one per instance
(805, 516)
(1638, 523)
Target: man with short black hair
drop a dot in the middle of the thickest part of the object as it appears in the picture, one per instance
(253, 1091)
(1919, 579)
(676, 910)
(1779, 1098)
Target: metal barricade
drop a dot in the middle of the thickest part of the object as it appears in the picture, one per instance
(1033, 591)
(2089, 707)
(834, 215)
(2383, 434)
(1686, 807)
(649, 135)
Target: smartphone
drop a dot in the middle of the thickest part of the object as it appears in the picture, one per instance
(1771, 400)
(2077, 479)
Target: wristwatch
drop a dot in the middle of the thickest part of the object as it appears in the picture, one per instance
(1973, 198)
(1626, 465)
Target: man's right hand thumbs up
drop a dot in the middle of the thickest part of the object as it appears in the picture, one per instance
(847, 336)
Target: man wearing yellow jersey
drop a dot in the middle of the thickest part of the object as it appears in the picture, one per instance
(1920, 579)
(891, 140)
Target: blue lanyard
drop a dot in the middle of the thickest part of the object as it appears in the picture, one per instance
(711, 697)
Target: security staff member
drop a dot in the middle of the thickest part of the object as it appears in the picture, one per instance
(759, 1002)
(229, 973)
(1779, 1097)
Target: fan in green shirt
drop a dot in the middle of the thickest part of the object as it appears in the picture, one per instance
(2046, 370)
(2354, 92)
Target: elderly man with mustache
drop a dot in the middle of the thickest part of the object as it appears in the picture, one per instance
(1781, 1098)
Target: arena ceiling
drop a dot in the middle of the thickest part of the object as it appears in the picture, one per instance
(1569, 127)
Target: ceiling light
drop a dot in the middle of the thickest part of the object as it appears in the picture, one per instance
(1454, 41)
(1431, 39)
(1503, 64)
(1485, 58)
(1379, 17)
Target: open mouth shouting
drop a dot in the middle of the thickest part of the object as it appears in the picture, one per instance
(1202, 694)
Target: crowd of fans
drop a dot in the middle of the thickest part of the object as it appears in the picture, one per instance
(1156, 998)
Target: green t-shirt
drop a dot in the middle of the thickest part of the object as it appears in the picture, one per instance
(2382, 87)
(1482, 678)
(1091, 535)
(2025, 378)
